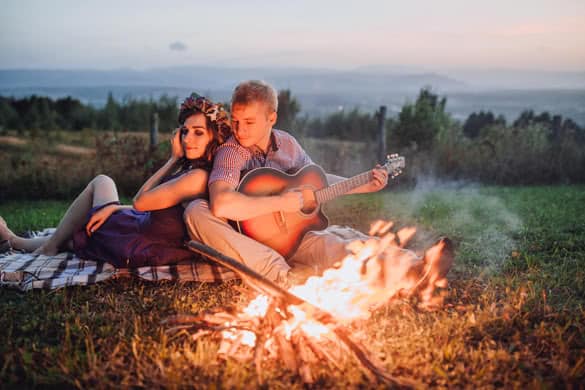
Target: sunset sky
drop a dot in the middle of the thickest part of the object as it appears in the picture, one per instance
(105, 34)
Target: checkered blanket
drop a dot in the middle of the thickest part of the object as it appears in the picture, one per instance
(26, 271)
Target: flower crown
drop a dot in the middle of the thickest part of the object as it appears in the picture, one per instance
(214, 111)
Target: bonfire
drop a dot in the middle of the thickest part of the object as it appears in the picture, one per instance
(310, 323)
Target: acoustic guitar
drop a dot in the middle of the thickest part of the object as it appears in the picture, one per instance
(283, 231)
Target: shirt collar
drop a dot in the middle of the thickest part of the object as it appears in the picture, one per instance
(272, 147)
(274, 141)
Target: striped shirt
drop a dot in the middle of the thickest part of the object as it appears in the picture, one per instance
(232, 160)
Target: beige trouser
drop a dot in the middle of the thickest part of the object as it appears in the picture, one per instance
(318, 250)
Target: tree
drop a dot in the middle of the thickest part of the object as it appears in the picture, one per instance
(352, 125)
(288, 108)
(73, 115)
(48, 116)
(9, 118)
(168, 112)
(419, 123)
(476, 122)
(110, 114)
(558, 129)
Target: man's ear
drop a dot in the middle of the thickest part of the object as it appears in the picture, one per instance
(272, 117)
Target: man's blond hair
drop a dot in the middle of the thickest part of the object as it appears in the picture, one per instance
(251, 91)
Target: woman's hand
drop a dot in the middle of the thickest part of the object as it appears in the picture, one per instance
(99, 217)
(177, 151)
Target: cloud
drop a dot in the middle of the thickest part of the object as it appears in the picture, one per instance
(178, 46)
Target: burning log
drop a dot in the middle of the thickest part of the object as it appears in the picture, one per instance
(287, 316)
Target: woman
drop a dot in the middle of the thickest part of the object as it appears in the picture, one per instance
(151, 232)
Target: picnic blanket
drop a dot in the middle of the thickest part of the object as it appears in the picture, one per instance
(26, 271)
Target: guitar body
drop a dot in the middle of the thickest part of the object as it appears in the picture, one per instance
(283, 231)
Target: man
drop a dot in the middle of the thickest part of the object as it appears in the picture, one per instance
(256, 144)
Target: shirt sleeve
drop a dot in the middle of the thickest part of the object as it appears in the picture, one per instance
(227, 165)
(302, 156)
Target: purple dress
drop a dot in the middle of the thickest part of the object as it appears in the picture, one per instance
(130, 238)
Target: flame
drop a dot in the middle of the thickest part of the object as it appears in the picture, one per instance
(258, 306)
(373, 273)
(300, 319)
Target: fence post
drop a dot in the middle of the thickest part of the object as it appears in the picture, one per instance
(154, 131)
(381, 116)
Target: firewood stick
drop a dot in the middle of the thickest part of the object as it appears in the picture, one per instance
(322, 353)
(207, 318)
(259, 355)
(286, 352)
(362, 356)
(234, 346)
(255, 279)
(181, 319)
(276, 291)
(306, 357)
(224, 347)
(179, 330)
(200, 324)
(200, 333)
(244, 291)
(300, 341)
(306, 374)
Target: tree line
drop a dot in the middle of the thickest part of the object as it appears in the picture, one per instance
(418, 123)
(533, 148)
(43, 113)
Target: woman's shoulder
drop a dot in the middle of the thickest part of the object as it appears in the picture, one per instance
(187, 174)
(194, 173)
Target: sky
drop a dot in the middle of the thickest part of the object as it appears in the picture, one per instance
(447, 34)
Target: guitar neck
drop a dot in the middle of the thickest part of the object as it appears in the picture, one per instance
(342, 187)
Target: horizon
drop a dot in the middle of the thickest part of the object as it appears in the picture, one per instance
(399, 69)
(540, 36)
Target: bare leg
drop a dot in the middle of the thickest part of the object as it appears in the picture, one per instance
(100, 190)
(27, 244)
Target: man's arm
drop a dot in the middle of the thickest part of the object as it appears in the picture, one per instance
(226, 202)
(378, 181)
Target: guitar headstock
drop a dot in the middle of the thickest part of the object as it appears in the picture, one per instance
(394, 164)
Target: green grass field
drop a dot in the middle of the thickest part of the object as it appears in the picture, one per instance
(514, 313)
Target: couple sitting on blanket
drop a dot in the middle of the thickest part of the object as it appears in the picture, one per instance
(194, 194)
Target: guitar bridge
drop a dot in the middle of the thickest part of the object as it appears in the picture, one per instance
(280, 221)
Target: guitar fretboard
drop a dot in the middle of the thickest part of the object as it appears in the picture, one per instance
(343, 187)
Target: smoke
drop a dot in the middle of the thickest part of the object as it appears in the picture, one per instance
(475, 217)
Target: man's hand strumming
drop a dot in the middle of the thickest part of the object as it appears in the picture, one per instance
(291, 201)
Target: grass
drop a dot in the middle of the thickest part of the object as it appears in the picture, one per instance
(514, 314)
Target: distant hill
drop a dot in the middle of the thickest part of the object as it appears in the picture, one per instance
(202, 77)
(320, 91)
